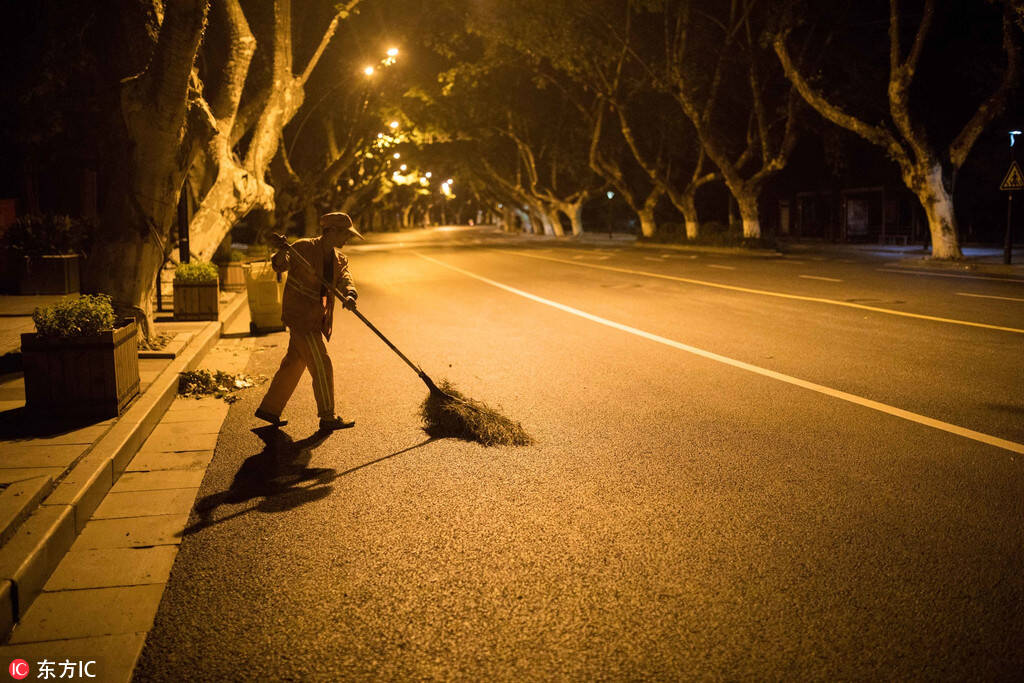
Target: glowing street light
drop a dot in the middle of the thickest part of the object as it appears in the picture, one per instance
(428, 174)
(369, 70)
(396, 155)
(403, 167)
(449, 182)
(393, 125)
(392, 52)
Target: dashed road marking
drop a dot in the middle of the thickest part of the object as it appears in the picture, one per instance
(764, 372)
(715, 265)
(989, 296)
(902, 271)
(818, 277)
(765, 292)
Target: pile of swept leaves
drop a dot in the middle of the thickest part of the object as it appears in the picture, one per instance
(468, 419)
(155, 342)
(219, 384)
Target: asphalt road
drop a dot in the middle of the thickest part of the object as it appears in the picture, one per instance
(726, 483)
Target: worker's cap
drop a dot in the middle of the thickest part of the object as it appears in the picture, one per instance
(338, 220)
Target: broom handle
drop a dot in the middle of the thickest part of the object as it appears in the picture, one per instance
(423, 376)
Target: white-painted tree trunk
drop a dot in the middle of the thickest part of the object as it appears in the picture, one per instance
(938, 208)
(688, 206)
(750, 214)
(526, 219)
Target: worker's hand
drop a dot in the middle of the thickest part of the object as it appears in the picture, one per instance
(350, 303)
(276, 240)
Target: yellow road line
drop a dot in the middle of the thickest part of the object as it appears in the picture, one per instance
(788, 379)
(764, 292)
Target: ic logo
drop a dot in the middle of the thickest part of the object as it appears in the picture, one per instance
(18, 669)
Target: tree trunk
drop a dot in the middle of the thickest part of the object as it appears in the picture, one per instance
(647, 225)
(750, 213)
(576, 218)
(150, 152)
(527, 221)
(553, 223)
(938, 207)
(688, 207)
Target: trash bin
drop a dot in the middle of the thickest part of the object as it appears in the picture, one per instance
(264, 289)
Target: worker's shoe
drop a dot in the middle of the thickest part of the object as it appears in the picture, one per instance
(329, 424)
(274, 420)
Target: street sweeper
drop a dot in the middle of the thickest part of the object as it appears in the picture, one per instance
(307, 310)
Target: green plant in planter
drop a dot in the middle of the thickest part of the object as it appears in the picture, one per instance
(75, 316)
(35, 235)
(198, 273)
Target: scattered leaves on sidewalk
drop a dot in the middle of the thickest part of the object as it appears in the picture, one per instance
(219, 384)
(156, 342)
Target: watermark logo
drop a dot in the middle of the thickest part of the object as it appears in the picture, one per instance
(19, 669)
(46, 669)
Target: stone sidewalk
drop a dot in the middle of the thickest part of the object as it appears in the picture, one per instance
(101, 600)
(54, 476)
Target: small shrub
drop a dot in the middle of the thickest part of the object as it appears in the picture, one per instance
(198, 273)
(75, 316)
(34, 235)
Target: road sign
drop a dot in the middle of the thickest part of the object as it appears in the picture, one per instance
(1014, 179)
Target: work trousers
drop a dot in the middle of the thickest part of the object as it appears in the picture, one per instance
(306, 349)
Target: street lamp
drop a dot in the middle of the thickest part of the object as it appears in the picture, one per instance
(396, 155)
(393, 125)
(369, 70)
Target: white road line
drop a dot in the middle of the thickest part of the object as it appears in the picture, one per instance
(816, 277)
(901, 271)
(786, 260)
(652, 258)
(988, 296)
(764, 372)
(765, 292)
(715, 265)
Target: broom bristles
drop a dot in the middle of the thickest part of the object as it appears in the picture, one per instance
(470, 420)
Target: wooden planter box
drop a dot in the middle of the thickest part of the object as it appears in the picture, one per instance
(196, 302)
(232, 277)
(56, 274)
(94, 376)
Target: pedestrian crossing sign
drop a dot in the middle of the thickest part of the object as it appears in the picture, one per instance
(1014, 179)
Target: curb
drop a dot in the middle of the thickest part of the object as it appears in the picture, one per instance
(40, 543)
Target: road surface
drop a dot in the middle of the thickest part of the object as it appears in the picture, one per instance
(793, 467)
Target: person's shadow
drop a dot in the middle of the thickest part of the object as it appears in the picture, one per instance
(280, 475)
